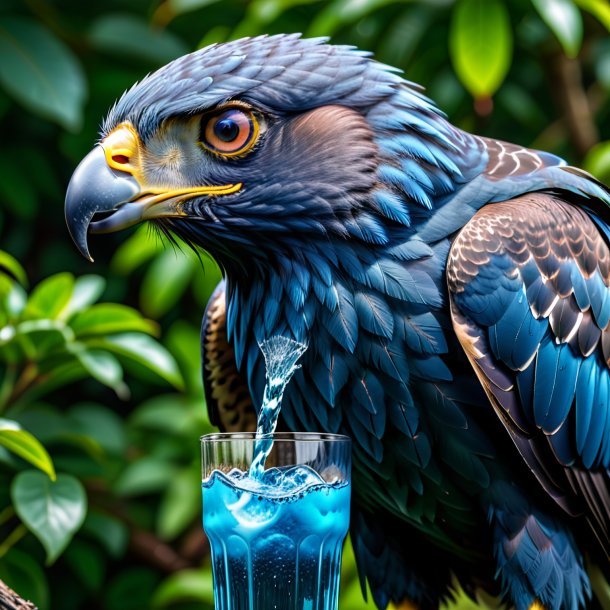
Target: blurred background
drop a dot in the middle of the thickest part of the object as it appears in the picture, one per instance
(101, 403)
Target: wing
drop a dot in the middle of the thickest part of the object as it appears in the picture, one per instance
(530, 302)
(227, 397)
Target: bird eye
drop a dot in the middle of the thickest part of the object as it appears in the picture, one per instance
(229, 132)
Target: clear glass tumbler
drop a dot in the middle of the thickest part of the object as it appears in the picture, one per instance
(276, 537)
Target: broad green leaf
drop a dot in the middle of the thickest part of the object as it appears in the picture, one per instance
(26, 446)
(144, 351)
(146, 475)
(565, 20)
(111, 533)
(87, 290)
(104, 367)
(136, 250)
(130, 589)
(181, 503)
(52, 511)
(340, 13)
(11, 265)
(597, 161)
(87, 563)
(205, 280)
(481, 45)
(165, 282)
(598, 8)
(101, 424)
(171, 413)
(50, 297)
(38, 337)
(45, 422)
(23, 573)
(125, 34)
(183, 340)
(186, 585)
(51, 427)
(15, 301)
(111, 318)
(42, 73)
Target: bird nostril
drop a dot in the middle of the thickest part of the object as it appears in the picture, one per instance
(120, 159)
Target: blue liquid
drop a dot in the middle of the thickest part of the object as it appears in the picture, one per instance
(276, 539)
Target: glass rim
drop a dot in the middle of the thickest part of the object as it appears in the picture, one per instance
(315, 437)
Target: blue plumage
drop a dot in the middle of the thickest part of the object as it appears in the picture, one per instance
(454, 293)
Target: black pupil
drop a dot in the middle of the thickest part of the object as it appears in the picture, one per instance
(226, 129)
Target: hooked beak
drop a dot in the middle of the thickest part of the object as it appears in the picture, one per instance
(109, 180)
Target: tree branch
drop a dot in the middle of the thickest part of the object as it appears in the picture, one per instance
(574, 103)
(9, 600)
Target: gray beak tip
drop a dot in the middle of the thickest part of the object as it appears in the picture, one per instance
(94, 187)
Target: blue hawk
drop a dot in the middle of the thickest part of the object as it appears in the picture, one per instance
(453, 290)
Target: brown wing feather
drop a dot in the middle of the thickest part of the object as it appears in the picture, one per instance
(228, 400)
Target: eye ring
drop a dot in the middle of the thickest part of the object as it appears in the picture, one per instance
(229, 131)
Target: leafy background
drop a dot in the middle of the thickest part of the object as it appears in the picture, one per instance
(101, 402)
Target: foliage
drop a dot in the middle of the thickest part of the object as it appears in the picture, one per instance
(101, 402)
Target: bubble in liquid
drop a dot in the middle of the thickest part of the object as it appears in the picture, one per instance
(251, 510)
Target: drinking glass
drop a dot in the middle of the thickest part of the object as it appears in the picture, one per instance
(276, 538)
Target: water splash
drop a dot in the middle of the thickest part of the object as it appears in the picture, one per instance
(281, 356)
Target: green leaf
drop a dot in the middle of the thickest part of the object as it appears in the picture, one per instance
(22, 573)
(130, 589)
(38, 337)
(481, 45)
(15, 301)
(598, 8)
(165, 282)
(52, 511)
(111, 533)
(186, 585)
(136, 250)
(50, 297)
(124, 34)
(42, 73)
(183, 340)
(168, 412)
(10, 264)
(146, 352)
(340, 13)
(565, 20)
(87, 564)
(181, 503)
(146, 475)
(87, 290)
(105, 368)
(111, 318)
(26, 446)
(597, 161)
(101, 424)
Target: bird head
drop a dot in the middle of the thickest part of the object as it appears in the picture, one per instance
(239, 147)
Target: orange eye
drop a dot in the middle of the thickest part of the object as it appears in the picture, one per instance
(230, 132)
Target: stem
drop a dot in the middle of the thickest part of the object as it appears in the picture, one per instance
(26, 380)
(574, 103)
(8, 384)
(6, 514)
(15, 536)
